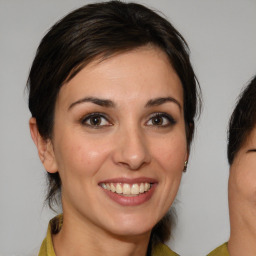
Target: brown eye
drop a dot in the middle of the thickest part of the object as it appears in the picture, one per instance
(95, 120)
(157, 120)
(161, 120)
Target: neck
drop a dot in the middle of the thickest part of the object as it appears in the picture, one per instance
(78, 239)
(242, 228)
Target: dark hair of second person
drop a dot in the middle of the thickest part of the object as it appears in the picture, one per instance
(241, 186)
(242, 121)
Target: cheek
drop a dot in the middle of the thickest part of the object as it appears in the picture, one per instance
(172, 153)
(87, 155)
(244, 179)
(247, 185)
(170, 157)
(80, 157)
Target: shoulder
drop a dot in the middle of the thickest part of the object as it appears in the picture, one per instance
(220, 251)
(54, 226)
(163, 250)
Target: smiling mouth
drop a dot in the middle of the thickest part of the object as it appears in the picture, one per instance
(126, 189)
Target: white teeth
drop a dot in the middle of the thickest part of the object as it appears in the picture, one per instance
(142, 188)
(147, 186)
(135, 189)
(119, 188)
(127, 189)
(113, 189)
(104, 185)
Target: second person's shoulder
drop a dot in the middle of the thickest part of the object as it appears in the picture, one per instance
(220, 251)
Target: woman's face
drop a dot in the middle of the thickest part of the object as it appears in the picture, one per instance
(242, 181)
(119, 142)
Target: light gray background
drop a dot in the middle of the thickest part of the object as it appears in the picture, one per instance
(222, 38)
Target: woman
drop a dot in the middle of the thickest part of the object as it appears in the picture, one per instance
(242, 189)
(113, 98)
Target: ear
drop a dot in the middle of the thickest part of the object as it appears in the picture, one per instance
(44, 148)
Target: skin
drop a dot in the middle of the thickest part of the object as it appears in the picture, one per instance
(242, 200)
(125, 144)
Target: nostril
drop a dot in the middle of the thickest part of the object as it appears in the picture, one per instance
(132, 165)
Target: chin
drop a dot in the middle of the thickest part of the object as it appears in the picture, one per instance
(131, 231)
(133, 226)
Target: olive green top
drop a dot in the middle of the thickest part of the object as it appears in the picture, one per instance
(220, 251)
(47, 245)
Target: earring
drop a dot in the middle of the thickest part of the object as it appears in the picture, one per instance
(185, 166)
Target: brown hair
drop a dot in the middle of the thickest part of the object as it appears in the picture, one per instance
(104, 29)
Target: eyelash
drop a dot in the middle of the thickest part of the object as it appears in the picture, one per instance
(169, 120)
(252, 150)
(95, 115)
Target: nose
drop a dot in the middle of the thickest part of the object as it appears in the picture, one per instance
(131, 150)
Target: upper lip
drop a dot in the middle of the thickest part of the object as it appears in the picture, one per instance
(129, 180)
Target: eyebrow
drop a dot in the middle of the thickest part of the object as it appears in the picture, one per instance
(161, 100)
(108, 103)
(97, 101)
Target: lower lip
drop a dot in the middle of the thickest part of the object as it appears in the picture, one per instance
(131, 200)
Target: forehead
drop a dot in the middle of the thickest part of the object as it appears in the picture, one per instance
(142, 72)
